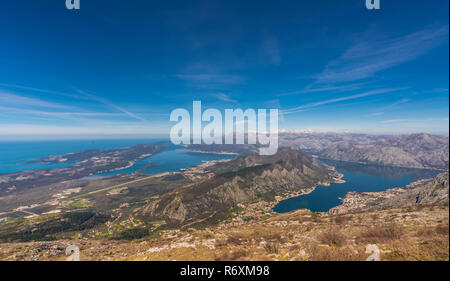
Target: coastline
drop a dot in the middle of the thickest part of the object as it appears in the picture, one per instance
(267, 207)
(355, 201)
(130, 164)
(337, 179)
(207, 152)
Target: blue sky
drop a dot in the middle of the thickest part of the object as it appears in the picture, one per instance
(120, 67)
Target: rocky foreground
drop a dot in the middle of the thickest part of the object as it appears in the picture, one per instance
(411, 233)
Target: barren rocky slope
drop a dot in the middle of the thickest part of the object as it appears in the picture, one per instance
(409, 151)
(414, 233)
(422, 192)
(412, 151)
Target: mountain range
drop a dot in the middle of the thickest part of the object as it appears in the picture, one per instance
(422, 150)
(410, 151)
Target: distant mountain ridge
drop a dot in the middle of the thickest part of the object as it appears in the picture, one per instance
(411, 151)
(408, 151)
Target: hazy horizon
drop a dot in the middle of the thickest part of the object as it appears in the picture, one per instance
(70, 137)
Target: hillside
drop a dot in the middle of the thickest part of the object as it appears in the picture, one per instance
(246, 179)
(222, 211)
(408, 151)
(134, 206)
(423, 192)
(410, 234)
(412, 151)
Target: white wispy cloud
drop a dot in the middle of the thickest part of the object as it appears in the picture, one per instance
(440, 90)
(375, 114)
(339, 99)
(389, 107)
(406, 120)
(399, 102)
(22, 87)
(224, 97)
(12, 99)
(7, 98)
(64, 115)
(72, 130)
(110, 104)
(371, 55)
(340, 88)
(210, 80)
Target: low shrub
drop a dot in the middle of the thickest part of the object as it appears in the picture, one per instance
(333, 237)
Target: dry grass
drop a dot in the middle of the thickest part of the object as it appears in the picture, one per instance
(277, 237)
(442, 229)
(415, 236)
(272, 247)
(333, 237)
(429, 250)
(340, 219)
(438, 230)
(220, 243)
(381, 233)
(236, 239)
(267, 234)
(232, 256)
(321, 253)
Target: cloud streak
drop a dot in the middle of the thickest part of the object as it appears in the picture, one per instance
(413, 120)
(224, 97)
(40, 90)
(210, 80)
(64, 115)
(341, 88)
(335, 100)
(108, 103)
(9, 98)
(369, 56)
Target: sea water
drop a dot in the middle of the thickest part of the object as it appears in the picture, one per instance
(358, 177)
